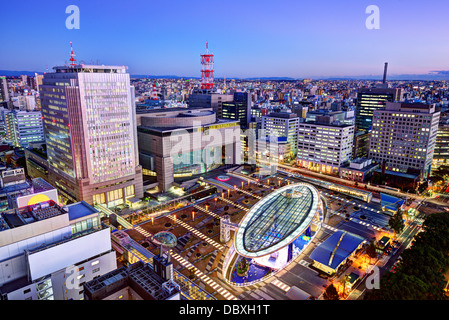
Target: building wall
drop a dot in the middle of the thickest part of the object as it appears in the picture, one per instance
(162, 147)
(93, 115)
(324, 148)
(404, 138)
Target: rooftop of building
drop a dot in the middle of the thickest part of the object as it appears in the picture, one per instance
(15, 218)
(412, 176)
(90, 69)
(138, 276)
(80, 209)
(283, 115)
(168, 129)
(337, 248)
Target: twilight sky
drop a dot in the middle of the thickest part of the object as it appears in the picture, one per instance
(250, 38)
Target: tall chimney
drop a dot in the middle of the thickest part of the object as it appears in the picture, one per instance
(385, 73)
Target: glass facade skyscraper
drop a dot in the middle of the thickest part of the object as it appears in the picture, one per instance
(370, 99)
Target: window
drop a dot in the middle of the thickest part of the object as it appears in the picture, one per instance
(26, 291)
(95, 262)
(95, 270)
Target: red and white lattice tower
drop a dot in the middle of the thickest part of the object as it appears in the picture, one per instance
(154, 94)
(72, 56)
(207, 72)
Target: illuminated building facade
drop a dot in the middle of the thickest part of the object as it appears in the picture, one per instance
(24, 127)
(404, 136)
(370, 99)
(324, 146)
(179, 143)
(90, 128)
(441, 153)
(282, 124)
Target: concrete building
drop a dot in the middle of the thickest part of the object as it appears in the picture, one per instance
(361, 144)
(48, 252)
(404, 136)
(238, 109)
(138, 281)
(207, 99)
(324, 145)
(183, 143)
(90, 130)
(282, 124)
(4, 91)
(441, 153)
(358, 169)
(36, 163)
(24, 127)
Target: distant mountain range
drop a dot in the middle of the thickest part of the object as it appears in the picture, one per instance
(434, 75)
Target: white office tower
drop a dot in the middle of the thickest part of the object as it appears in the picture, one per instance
(90, 126)
(48, 252)
(282, 124)
(324, 145)
(403, 137)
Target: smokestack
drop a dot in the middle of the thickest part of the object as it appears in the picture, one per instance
(385, 73)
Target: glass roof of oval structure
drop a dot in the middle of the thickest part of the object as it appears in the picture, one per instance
(277, 220)
(166, 238)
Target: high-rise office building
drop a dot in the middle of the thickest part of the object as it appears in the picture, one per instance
(4, 92)
(324, 145)
(282, 124)
(207, 99)
(238, 109)
(441, 153)
(370, 99)
(403, 137)
(91, 133)
(24, 127)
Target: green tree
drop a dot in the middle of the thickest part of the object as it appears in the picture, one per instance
(396, 223)
(371, 250)
(331, 293)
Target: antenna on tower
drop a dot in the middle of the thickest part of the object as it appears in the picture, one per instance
(72, 56)
(207, 72)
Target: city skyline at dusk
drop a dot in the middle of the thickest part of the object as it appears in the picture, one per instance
(249, 39)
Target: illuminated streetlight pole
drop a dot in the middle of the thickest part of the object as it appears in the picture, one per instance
(193, 215)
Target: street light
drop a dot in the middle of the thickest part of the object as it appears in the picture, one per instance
(193, 215)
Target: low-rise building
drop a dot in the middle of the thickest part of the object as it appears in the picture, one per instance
(359, 169)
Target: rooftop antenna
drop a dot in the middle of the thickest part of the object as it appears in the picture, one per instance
(72, 56)
(385, 73)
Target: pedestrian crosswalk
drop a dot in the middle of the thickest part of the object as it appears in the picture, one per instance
(234, 204)
(205, 279)
(197, 233)
(142, 231)
(281, 285)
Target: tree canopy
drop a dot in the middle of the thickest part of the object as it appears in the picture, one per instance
(420, 274)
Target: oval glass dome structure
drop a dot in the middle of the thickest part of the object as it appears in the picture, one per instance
(165, 238)
(277, 220)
